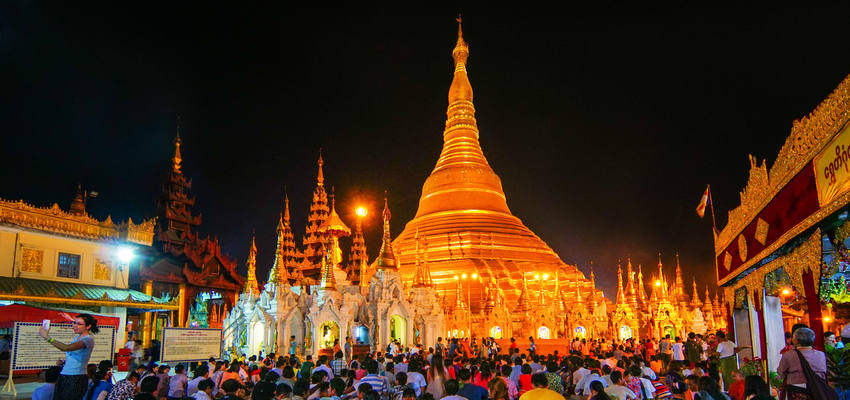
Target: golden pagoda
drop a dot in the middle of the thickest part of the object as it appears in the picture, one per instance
(464, 217)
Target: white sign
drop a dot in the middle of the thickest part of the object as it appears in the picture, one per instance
(30, 351)
(190, 344)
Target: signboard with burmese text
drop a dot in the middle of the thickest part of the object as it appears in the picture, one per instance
(31, 352)
(190, 344)
(832, 168)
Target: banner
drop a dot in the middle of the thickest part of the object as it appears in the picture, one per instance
(832, 168)
(190, 344)
(31, 352)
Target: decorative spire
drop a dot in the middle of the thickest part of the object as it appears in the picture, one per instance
(357, 257)
(459, 304)
(641, 288)
(386, 259)
(523, 304)
(621, 295)
(177, 159)
(578, 292)
(491, 292)
(286, 207)
(695, 301)
(78, 205)
(420, 277)
(328, 280)
(320, 177)
(679, 283)
(630, 286)
(251, 285)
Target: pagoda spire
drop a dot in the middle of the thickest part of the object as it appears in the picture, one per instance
(663, 291)
(523, 303)
(679, 284)
(578, 292)
(284, 267)
(621, 295)
(251, 285)
(462, 178)
(695, 301)
(630, 286)
(460, 304)
(386, 259)
(314, 239)
(641, 287)
(177, 159)
(328, 280)
(420, 278)
(357, 256)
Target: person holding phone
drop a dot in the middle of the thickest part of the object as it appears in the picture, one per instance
(73, 382)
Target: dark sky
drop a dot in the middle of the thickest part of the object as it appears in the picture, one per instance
(605, 126)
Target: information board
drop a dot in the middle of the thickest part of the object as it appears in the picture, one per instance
(31, 352)
(190, 344)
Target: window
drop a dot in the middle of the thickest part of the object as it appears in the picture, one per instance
(496, 332)
(69, 266)
(543, 332)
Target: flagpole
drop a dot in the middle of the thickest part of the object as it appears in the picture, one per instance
(713, 221)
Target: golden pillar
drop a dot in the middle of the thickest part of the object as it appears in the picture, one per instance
(181, 311)
(147, 331)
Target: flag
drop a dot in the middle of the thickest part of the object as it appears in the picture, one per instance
(703, 203)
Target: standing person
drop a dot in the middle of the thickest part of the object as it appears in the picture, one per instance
(728, 359)
(292, 346)
(678, 350)
(693, 349)
(532, 348)
(72, 380)
(438, 348)
(437, 377)
(348, 348)
(791, 369)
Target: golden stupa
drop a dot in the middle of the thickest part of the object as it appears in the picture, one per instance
(464, 226)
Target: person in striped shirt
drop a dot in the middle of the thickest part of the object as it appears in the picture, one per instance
(378, 383)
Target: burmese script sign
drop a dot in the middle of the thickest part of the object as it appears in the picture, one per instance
(832, 168)
(30, 351)
(190, 344)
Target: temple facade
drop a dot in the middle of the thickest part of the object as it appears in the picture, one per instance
(374, 310)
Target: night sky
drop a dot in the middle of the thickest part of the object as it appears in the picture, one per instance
(604, 126)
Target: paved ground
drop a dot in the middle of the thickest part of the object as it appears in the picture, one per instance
(26, 384)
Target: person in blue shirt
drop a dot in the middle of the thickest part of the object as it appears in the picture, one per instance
(101, 385)
(73, 380)
(45, 392)
(469, 390)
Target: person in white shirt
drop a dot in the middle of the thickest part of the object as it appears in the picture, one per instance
(617, 389)
(583, 387)
(678, 350)
(205, 389)
(323, 366)
(177, 383)
(579, 374)
(201, 373)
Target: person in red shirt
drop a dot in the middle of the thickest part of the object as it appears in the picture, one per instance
(525, 379)
(512, 346)
(736, 388)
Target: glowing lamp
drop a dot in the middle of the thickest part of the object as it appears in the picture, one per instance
(786, 291)
(536, 276)
(125, 255)
(463, 276)
(360, 211)
(545, 276)
(474, 276)
(456, 277)
(827, 319)
(657, 282)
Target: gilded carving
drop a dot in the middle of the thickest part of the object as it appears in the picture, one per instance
(727, 260)
(32, 260)
(808, 136)
(761, 231)
(102, 270)
(842, 232)
(805, 257)
(742, 247)
(54, 219)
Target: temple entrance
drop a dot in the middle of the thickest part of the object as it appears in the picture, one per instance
(581, 332)
(496, 332)
(257, 335)
(668, 330)
(328, 332)
(397, 328)
(543, 332)
(625, 332)
(361, 335)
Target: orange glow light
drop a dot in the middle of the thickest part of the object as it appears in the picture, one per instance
(827, 319)
(786, 291)
(474, 276)
(536, 276)
(456, 277)
(361, 211)
(657, 283)
(463, 276)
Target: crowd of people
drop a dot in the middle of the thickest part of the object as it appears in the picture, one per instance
(671, 368)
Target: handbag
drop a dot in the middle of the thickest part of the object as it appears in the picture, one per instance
(817, 387)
